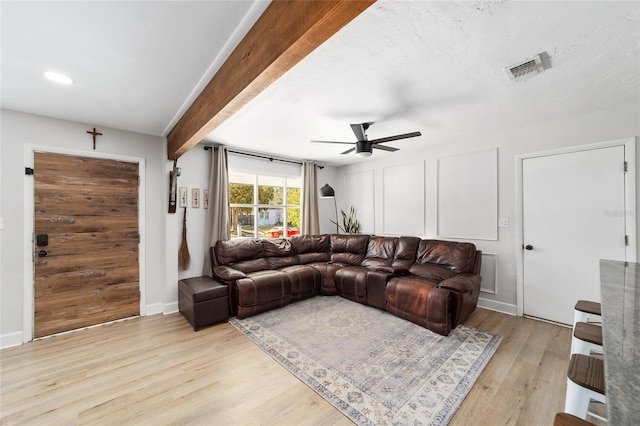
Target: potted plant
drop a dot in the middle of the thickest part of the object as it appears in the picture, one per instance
(350, 225)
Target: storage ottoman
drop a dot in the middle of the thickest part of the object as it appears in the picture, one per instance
(203, 301)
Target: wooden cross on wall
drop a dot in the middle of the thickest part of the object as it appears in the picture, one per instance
(94, 134)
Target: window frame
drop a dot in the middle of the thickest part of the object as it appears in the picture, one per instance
(257, 206)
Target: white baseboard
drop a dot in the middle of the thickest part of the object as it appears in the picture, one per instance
(505, 308)
(156, 308)
(10, 339)
(170, 308)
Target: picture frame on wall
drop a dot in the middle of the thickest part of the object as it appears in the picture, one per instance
(182, 196)
(195, 198)
(205, 199)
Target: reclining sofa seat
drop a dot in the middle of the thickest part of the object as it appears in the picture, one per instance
(262, 274)
(315, 251)
(441, 288)
(432, 283)
(385, 258)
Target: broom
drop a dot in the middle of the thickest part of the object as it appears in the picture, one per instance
(184, 259)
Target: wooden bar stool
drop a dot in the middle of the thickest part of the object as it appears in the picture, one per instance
(564, 419)
(585, 381)
(587, 338)
(587, 311)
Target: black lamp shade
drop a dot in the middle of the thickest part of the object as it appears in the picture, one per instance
(327, 192)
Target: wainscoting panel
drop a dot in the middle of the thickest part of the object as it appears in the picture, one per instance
(403, 199)
(489, 273)
(358, 192)
(468, 196)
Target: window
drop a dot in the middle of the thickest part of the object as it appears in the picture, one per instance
(264, 206)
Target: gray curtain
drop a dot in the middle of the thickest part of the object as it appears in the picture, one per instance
(217, 226)
(310, 224)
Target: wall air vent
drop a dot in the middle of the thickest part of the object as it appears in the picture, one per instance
(526, 69)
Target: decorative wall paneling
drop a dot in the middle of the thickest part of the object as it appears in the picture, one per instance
(489, 273)
(467, 199)
(403, 199)
(359, 192)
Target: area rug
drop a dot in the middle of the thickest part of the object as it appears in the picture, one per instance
(375, 368)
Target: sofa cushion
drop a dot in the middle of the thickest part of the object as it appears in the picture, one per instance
(263, 286)
(305, 280)
(279, 253)
(405, 253)
(245, 255)
(420, 301)
(312, 248)
(351, 283)
(349, 249)
(380, 252)
(327, 272)
(409, 294)
(435, 273)
(458, 257)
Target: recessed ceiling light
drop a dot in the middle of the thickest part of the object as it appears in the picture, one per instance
(57, 77)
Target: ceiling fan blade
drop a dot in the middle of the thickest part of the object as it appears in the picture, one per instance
(348, 151)
(358, 130)
(345, 143)
(396, 137)
(385, 148)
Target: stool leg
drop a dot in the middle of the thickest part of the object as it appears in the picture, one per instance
(576, 401)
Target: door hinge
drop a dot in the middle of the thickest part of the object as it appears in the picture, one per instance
(28, 171)
(626, 166)
(626, 240)
(138, 180)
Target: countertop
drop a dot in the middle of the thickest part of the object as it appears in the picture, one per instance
(620, 288)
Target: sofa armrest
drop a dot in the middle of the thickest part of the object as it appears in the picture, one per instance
(462, 283)
(228, 274)
(384, 268)
(388, 269)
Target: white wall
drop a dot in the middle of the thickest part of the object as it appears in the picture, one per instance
(18, 130)
(572, 131)
(195, 166)
(164, 231)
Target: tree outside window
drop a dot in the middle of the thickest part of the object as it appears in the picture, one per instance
(276, 213)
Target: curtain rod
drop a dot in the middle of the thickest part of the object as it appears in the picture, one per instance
(208, 148)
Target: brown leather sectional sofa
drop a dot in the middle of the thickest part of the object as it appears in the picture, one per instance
(432, 283)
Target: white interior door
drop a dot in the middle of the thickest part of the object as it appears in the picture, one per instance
(573, 215)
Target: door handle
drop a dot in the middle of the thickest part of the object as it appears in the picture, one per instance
(42, 253)
(528, 247)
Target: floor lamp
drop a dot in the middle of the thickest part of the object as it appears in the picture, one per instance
(327, 192)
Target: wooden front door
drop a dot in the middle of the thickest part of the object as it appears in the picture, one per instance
(86, 272)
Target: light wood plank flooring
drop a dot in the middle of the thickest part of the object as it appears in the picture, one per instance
(157, 370)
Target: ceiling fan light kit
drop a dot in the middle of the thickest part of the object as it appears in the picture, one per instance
(364, 147)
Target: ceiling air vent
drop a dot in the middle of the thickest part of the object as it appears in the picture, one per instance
(525, 69)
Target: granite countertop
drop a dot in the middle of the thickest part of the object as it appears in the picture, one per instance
(620, 288)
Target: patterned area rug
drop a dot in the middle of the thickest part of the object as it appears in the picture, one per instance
(375, 368)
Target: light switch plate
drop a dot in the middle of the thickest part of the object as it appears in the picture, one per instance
(503, 222)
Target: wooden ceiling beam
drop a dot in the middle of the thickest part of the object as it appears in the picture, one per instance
(286, 32)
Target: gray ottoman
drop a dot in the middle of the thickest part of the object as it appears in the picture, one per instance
(203, 301)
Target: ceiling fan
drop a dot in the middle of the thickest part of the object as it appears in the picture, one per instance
(364, 146)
